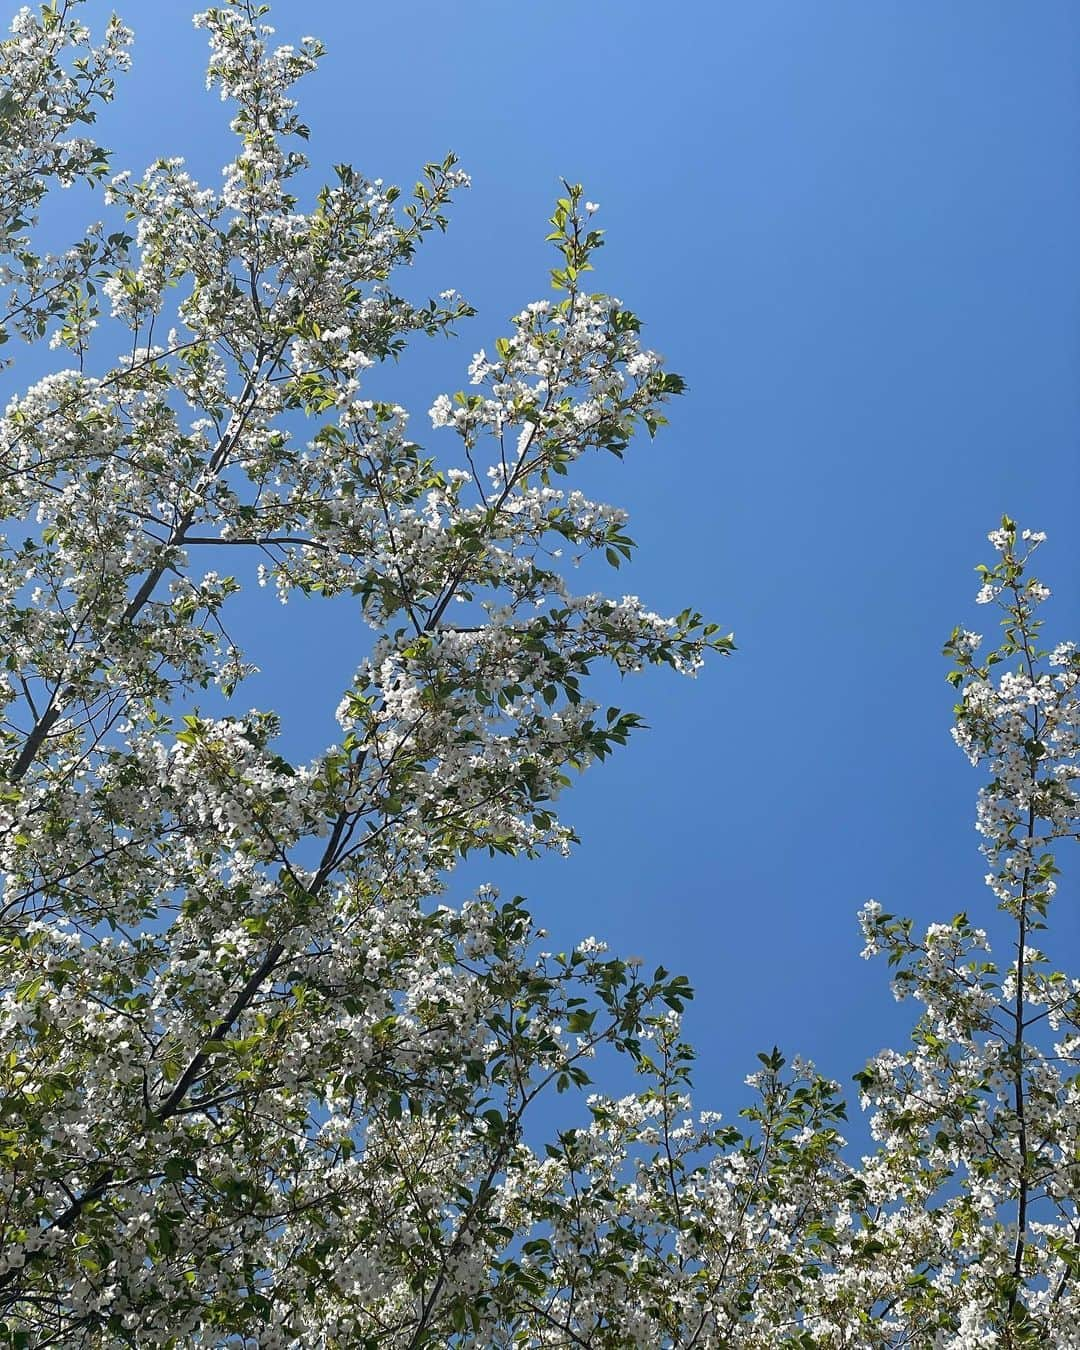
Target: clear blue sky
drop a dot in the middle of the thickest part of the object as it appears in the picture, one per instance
(853, 228)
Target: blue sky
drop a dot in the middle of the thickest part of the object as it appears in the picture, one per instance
(852, 227)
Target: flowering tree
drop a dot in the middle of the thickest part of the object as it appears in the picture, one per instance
(259, 1087)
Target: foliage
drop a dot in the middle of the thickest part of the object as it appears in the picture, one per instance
(259, 1086)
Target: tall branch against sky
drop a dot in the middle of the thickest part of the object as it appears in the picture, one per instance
(267, 1080)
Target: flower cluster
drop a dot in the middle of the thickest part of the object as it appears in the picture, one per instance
(52, 77)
